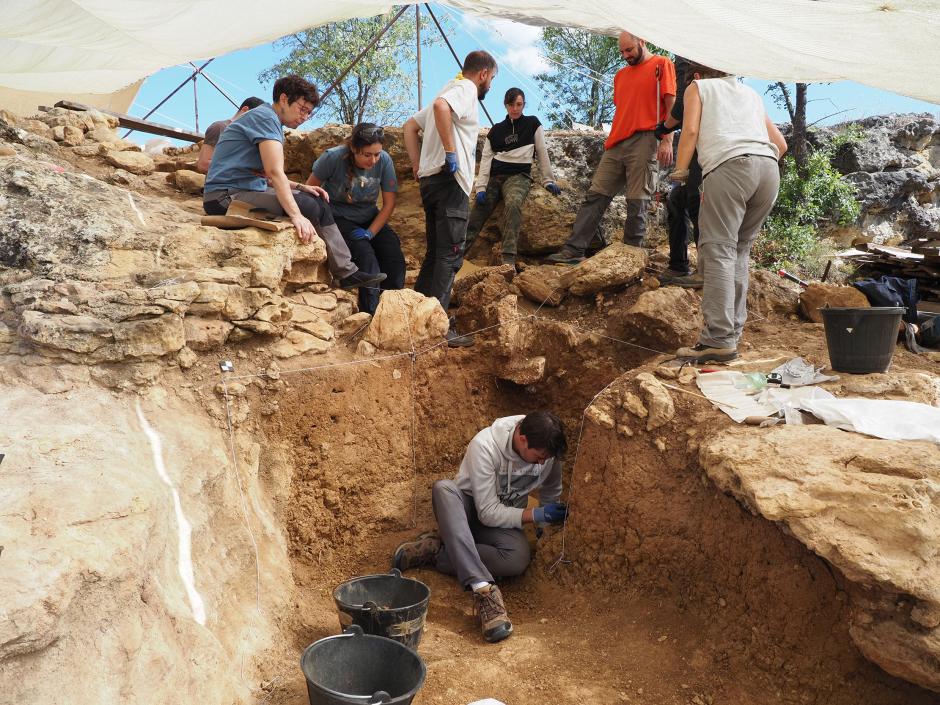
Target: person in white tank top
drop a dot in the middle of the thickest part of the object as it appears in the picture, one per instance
(738, 147)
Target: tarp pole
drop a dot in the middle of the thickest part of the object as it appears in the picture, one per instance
(218, 88)
(454, 54)
(418, 48)
(196, 101)
(174, 92)
(372, 43)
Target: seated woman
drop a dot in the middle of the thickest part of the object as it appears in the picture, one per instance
(353, 174)
(505, 173)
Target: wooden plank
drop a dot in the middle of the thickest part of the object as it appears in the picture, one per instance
(153, 128)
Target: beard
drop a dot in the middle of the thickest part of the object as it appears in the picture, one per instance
(482, 91)
(634, 60)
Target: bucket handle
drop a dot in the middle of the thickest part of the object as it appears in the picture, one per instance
(380, 696)
(374, 611)
(354, 630)
(395, 572)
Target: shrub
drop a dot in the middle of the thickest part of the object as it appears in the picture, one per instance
(791, 235)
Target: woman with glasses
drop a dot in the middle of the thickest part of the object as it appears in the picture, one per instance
(353, 174)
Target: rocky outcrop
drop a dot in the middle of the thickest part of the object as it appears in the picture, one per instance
(895, 168)
(833, 499)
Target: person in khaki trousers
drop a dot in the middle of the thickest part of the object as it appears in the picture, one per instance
(739, 149)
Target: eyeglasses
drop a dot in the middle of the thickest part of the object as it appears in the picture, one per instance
(306, 109)
(372, 133)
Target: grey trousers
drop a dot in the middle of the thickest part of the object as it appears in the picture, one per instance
(338, 258)
(630, 165)
(737, 197)
(471, 551)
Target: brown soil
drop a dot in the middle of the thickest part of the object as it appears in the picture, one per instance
(674, 593)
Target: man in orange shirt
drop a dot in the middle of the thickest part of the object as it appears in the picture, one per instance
(631, 150)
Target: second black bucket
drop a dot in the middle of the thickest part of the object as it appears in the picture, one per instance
(355, 668)
(861, 340)
(386, 605)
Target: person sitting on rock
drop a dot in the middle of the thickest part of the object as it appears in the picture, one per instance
(506, 173)
(353, 174)
(250, 152)
(480, 513)
(214, 132)
(738, 147)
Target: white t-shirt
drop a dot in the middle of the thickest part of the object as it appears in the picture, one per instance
(461, 95)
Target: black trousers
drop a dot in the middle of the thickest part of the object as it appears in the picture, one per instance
(446, 211)
(380, 254)
(682, 208)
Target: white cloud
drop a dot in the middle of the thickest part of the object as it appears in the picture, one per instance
(526, 60)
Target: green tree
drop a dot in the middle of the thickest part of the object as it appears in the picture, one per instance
(581, 88)
(581, 84)
(381, 88)
(796, 109)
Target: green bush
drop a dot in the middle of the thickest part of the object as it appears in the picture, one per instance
(791, 235)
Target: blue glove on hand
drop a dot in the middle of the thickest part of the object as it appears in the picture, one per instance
(481, 196)
(450, 162)
(361, 234)
(553, 188)
(552, 513)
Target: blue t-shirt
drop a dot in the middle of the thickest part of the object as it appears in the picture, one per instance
(355, 201)
(237, 158)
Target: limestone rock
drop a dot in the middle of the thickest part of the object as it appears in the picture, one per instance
(79, 334)
(406, 320)
(297, 343)
(770, 293)
(204, 334)
(308, 263)
(324, 302)
(365, 349)
(658, 401)
(817, 296)
(153, 337)
(471, 275)
(102, 134)
(632, 403)
(189, 181)
(317, 327)
(354, 323)
(867, 506)
(524, 371)
(615, 265)
(541, 285)
(665, 318)
(134, 162)
(7, 151)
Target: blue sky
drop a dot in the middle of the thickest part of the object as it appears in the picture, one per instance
(237, 73)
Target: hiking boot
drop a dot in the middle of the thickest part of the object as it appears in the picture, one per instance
(454, 339)
(671, 273)
(360, 278)
(566, 255)
(703, 353)
(494, 621)
(419, 551)
(689, 281)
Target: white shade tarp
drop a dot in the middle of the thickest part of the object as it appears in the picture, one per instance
(102, 46)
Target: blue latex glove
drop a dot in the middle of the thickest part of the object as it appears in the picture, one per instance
(481, 196)
(553, 188)
(450, 162)
(551, 513)
(361, 234)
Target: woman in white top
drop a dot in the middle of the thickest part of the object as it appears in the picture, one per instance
(738, 148)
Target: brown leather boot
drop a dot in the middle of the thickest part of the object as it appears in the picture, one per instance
(494, 620)
(419, 551)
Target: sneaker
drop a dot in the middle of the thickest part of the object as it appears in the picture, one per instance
(566, 255)
(419, 551)
(360, 278)
(671, 273)
(454, 339)
(689, 281)
(494, 621)
(703, 353)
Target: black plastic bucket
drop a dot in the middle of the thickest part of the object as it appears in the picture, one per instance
(355, 668)
(861, 340)
(386, 605)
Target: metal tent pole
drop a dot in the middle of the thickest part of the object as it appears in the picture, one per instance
(454, 54)
(418, 35)
(173, 92)
(372, 43)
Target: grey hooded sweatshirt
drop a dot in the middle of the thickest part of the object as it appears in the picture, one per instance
(500, 481)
